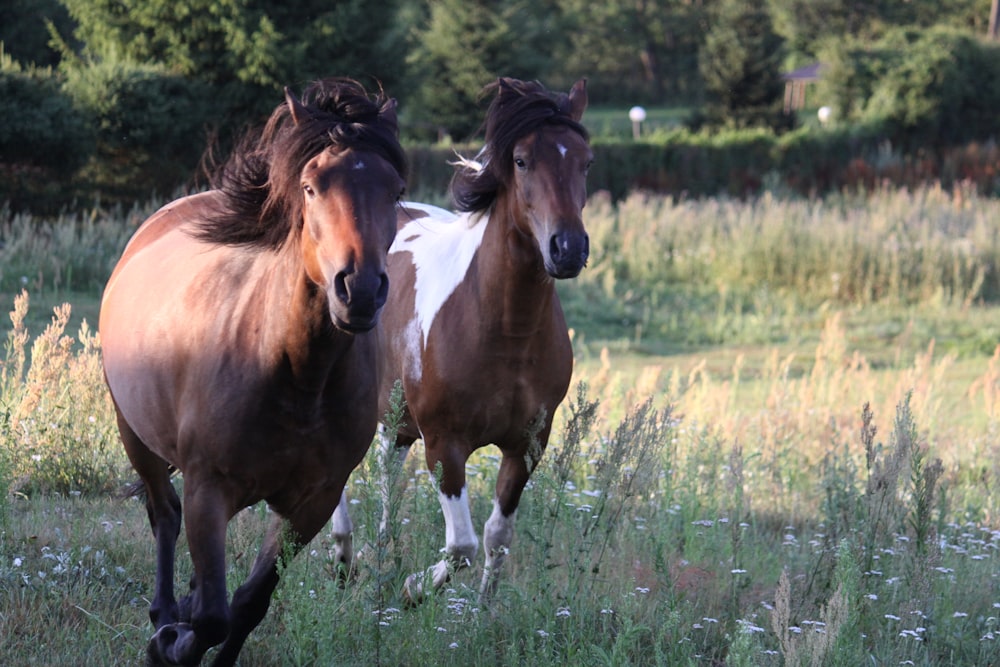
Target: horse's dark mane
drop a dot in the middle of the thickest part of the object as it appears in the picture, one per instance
(261, 192)
(519, 108)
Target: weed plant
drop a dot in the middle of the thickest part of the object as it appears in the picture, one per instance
(58, 434)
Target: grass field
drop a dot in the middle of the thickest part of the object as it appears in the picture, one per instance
(781, 448)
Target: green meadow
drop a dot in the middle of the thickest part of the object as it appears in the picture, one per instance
(781, 447)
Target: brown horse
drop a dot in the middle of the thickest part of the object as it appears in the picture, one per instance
(473, 327)
(233, 331)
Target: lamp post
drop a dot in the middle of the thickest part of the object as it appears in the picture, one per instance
(824, 114)
(636, 115)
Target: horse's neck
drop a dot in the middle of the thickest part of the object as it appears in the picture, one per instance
(512, 270)
(301, 330)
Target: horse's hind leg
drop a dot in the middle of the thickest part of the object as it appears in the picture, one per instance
(342, 533)
(284, 538)
(393, 454)
(164, 510)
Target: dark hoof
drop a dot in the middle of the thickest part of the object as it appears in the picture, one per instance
(173, 645)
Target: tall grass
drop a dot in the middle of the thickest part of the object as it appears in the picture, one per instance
(73, 252)
(708, 271)
(825, 503)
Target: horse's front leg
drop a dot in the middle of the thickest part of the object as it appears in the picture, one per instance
(461, 542)
(285, 538)
(498, 532)
(186, 641)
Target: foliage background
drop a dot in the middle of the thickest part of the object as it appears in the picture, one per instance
(750, 521)
(111, 101)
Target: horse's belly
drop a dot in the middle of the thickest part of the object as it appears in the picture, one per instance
(489, 395)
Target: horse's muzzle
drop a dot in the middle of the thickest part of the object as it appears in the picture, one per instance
(357, 300)
(568, 254)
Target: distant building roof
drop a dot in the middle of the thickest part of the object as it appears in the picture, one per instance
(804, 74)
(796, 83)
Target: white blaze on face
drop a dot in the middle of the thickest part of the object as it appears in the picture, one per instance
(360, 164)
(442, 246)
(562, 149)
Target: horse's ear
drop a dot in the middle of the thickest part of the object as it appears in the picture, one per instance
(298, 111)
(505, 84)
(578, 100)
(388, 112)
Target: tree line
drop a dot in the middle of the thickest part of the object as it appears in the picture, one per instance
(118, 92)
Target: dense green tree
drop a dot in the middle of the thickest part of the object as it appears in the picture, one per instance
(464, 45)
(923, 87)
(807, 25)
(246, 49)
(24, 29)
(740, 64)
(635, 50)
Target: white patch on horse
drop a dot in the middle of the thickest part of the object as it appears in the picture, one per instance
(413, 344)
(360, 164)
(497, 536)
(562, 149)
(459, 534)
(499, 530)
(343, 542)
(442, 245)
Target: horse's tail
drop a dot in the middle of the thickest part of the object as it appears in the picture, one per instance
(137, 489)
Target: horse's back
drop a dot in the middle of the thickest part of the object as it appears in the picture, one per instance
(177, 217)
(157, 270)
(160, 315)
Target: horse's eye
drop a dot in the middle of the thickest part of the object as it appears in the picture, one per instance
(306, 188)
(519, 161)
(586, 167)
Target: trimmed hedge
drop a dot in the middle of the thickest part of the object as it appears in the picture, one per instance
(806, 162)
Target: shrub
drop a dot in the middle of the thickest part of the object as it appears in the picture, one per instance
(923, 88)
(150, 126)
(44, 137)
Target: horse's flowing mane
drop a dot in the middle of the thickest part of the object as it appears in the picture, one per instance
(519, 108)
(261, 192)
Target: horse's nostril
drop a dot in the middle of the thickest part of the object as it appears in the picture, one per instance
(340, 287)
(555, 251)
(383, 290)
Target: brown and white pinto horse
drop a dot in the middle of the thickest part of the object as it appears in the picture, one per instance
(235, 348)
(473, 327)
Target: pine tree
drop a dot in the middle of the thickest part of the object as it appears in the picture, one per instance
(466, 45)
(740, 65)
